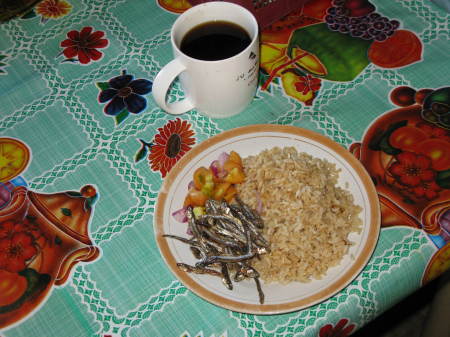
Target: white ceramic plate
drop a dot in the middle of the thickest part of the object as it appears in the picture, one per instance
(279, 298)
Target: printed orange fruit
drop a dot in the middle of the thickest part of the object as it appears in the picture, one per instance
(12, 287)
(421, 95)
(403, 96)
(438, 150)
(401, 49)
(14, 158)
(175, 6)
(407, 137)
(438, 264)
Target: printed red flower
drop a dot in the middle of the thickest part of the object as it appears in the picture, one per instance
(9, 227)
(84, 45)
(307, 84)
(412, 169)
(16, 251)
(426, 189)
(340, 330)
(170, 144)
(53, 9)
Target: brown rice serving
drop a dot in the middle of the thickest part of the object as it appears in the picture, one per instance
(307, 216)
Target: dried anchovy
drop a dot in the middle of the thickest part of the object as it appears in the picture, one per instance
(260, 292)
(226, 276)
(245, 271)
(198, 270)
(224, 240)
(196, 252)
(224, 258)
(251, 214)
(184, 240)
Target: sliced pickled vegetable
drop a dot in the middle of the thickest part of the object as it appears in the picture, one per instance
(230, 193)
(197, 198)
(202, 176)
(187, 201)
(215, 182)
(235, 176)
(220, 190)
(235, 157)
(198, 211)
(230, 165)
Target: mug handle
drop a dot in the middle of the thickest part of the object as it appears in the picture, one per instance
(161, 85)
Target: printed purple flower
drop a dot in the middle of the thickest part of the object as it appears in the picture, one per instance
(124, 92)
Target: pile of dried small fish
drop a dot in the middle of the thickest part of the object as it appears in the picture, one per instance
(225, 239)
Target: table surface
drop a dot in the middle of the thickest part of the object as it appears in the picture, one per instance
(80, 170)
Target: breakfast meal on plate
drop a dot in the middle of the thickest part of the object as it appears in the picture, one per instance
(279, 216)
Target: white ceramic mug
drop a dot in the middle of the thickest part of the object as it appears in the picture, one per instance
(217, 89)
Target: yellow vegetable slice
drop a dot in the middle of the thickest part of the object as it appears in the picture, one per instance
(14, 158)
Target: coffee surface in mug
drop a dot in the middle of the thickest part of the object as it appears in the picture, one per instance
(215, 40)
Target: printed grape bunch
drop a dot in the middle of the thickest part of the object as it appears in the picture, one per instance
(436, 108)
(358, 18)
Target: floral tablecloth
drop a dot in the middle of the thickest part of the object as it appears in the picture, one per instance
(84, 150)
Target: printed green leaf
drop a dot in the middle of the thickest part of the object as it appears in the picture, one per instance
(374, 143)
(58, 240)
(29, 15)
(408, 201)
(343, 56)
(66, 211)
(74, 193)
(380, 141)
(121, 116)
(2, 57)
(263, 77)
(102, 85)
(141, 154)
(71, 60)
(443, 179)
(31, 218)
(386, 147)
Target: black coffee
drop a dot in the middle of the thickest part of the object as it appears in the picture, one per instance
(215, 40)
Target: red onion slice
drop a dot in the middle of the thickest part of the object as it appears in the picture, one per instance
(223, 157)
(180, 215)
(259, 203)
(215, 168)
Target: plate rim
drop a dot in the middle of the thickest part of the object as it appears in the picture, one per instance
(268, 309)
